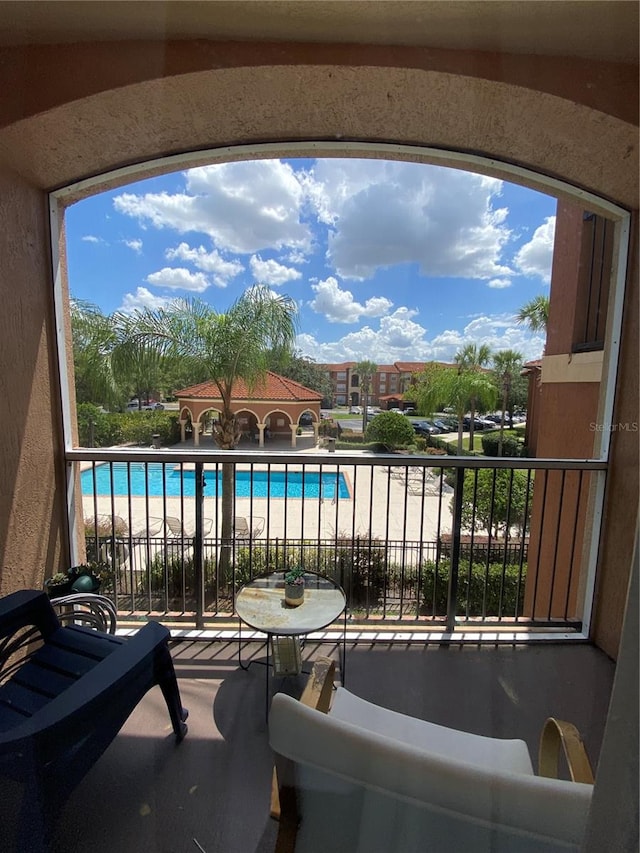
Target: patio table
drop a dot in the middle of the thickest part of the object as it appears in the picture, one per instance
(260, 604)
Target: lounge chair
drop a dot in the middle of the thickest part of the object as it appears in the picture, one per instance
(65, 692)
(242, 530)
(180, 531)
(362, 777)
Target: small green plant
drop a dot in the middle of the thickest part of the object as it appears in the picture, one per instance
(295, 576)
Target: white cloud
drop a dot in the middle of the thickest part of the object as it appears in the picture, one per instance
(141, 299)
(134, 245)
(221, 270)
(400, 338)
(271, 272)
(499, 283)
(178, 278)
(339, 306)
(536, 256)
(91, 238)
(385, 213)
(244, 207)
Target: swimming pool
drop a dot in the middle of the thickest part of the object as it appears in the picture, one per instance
(151, 479)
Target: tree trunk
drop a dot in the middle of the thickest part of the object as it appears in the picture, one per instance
(226, 434)
(460, 430)
(471, 424)
(504, 408)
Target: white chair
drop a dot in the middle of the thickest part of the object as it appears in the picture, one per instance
(178, 530)
(363, 778)
(242, 530)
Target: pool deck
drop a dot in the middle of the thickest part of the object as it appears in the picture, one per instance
(377, 506)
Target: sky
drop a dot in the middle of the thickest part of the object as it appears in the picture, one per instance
(387, 260)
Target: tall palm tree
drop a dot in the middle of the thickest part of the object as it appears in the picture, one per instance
(472, 358)
(506, 366)
(230, 346)
(366, 370)
(535, 314)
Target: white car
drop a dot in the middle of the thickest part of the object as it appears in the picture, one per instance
(355, 410)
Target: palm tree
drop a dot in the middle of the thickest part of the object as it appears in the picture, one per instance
(230, 346)
(438, 386)
(94, 339)
(366, 370)
(472, 358)
(506, 366)
(535, 314)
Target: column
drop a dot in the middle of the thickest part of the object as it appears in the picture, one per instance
(261, 428)
(293, 428)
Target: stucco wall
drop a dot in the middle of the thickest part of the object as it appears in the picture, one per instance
(75, 111)
(31, 498)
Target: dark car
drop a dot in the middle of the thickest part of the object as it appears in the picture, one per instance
(306, 419)
(478, 425)
(425, 428)
(443, 426)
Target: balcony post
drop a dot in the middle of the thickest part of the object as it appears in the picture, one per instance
(198, 546)
(455, 550)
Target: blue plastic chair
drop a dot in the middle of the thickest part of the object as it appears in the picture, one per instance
(63, 702)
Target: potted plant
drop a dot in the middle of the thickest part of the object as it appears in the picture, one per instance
(58, 585)
(294, 586)
(86, 577)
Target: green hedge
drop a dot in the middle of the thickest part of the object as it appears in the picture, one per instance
(114, 428)
(358, 565)
(511, 445)
(499, 598)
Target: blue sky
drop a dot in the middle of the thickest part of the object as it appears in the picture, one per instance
(387, 260)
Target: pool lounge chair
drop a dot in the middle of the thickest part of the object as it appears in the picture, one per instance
(180, 531)
(242, 530)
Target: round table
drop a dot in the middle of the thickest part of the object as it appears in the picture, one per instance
(260, 604)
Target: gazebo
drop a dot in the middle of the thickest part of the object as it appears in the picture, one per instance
(271, 408)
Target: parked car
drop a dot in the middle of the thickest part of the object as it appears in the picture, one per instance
(355, 410)
(306, 419)
(409, 410)
(443, 426)
(151, 407)
(478, 425)
(425, 428)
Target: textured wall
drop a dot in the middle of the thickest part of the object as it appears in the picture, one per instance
(31, 500)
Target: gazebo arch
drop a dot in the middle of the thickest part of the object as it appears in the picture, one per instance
(273, 397)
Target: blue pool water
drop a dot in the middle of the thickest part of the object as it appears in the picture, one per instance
(150, 479)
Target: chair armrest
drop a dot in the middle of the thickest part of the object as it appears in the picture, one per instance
(556, 734)
(27, 607)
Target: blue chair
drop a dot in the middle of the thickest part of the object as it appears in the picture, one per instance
(65, 692)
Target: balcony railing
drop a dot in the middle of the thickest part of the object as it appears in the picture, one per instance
(434, 542)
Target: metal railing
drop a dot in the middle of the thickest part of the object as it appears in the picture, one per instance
(432, 541)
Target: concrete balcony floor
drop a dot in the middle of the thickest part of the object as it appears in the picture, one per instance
(211, 793)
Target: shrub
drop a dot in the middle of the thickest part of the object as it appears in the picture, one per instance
(481, 588)
(391, 429)
(97, 428)
(511, 445)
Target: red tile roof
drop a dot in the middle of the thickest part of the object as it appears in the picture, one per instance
(271, 387)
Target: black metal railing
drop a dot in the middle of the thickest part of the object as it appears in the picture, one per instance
(469, 541)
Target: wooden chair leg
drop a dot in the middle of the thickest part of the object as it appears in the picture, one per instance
(316, 694)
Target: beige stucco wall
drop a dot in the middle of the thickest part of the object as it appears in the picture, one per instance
(71, 112)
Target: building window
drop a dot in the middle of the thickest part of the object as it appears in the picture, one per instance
(341, 374)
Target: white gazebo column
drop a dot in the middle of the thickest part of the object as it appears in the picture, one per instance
(183, 430)
(316, 436)
(196, 433)
(261, 428)
(293, 428)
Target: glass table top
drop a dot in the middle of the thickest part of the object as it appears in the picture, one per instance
(261, 605)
